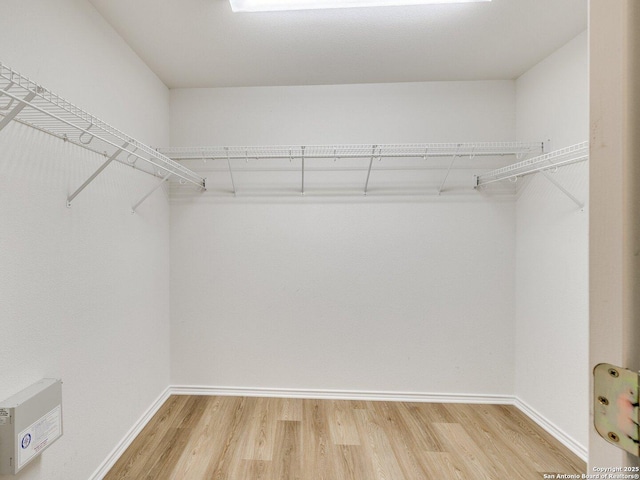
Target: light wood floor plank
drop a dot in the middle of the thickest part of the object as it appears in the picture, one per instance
(290, 409)
(229, 435)
(287, 462)
(160, 465)
(441, 465)
(316, 444)
(532, 442)
(240, 438)
(419, 427)
(478, 423)
(262, 431)
(182, 454)
(349, 462)
(192, 410)
(377, 446)
(470, 455)
(406, 451)
(143, 447)
(342, 424)
(204, 440)
(552, 447)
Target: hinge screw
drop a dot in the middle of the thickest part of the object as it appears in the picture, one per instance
(613, 437)
(603, 400)
(613, 372)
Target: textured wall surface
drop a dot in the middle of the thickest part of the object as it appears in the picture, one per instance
(84, 291)
(411, 294)
(552, 294)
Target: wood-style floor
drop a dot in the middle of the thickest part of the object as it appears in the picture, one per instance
(239, 438)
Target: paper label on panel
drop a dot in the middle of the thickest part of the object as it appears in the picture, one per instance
(38, 435)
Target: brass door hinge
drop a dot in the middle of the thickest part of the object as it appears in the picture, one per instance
(615, 406)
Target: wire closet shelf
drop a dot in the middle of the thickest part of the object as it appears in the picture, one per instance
(548, 162)
(337, 152)
(24, 101)
(370, 152)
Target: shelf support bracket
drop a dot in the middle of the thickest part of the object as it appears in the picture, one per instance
(302, 170)
(373, 154)
(11, 100)
(95, 174)
(17, 109)
(444, 180)
(562, 189)
(139, 202)
(233, 184)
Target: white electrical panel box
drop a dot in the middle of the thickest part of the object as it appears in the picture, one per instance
(30, 422)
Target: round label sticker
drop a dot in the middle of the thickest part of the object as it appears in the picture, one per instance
(26, 440)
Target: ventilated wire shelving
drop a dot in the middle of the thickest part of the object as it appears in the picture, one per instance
(24, 101)
(548, 161)
(411, 150)
(545, 164)
(370, 152)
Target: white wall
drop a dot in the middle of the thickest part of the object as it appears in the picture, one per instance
(84, 292)
(412, 295)
(552, 322)
(344, 114)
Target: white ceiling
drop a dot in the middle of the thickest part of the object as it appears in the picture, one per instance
(201, 43)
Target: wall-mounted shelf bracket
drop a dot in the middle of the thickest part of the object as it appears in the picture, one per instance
(233, 183)
(549, 177)
(444, 180)
(7, 106)
(302, 156)
(615, 406)
(160, 183)
(17, 109)
(95, 174)
(373, 155)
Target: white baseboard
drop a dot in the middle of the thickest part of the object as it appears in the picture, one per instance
(115, 454)
(341, 394)
(577, 448)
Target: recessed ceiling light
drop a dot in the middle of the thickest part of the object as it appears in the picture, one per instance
(276, 5)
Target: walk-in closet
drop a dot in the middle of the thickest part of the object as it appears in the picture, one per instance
(342, 243)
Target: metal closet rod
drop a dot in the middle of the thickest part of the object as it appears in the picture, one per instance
(336, 152)
(24, 101)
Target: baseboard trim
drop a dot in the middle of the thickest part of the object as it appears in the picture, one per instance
(342, 394)
(115, 454)
(577, 448)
